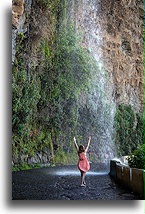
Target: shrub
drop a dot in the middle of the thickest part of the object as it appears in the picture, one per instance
(129, 129)
(137, 158)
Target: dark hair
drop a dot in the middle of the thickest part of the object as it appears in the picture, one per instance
(81, 149)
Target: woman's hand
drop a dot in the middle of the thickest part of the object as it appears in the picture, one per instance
(74, 139)
(89, 138)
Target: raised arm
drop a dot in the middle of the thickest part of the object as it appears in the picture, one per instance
(89, 140)
(77, 148)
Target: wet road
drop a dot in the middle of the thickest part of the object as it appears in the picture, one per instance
(63, 183)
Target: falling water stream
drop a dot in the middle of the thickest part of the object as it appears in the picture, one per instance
(98, 102)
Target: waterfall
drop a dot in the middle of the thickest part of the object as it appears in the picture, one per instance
(97, 106)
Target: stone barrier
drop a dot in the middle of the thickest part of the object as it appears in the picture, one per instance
(131, 178)
(126, 177)
(137, 182)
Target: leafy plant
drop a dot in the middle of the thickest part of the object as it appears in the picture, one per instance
(26, 166)
(129, 129)
(137, 158)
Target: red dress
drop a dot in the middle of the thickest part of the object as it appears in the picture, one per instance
(83, 163)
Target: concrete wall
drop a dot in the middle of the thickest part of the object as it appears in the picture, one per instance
(131, 178)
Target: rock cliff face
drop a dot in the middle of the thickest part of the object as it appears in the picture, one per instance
(112, 31)
(116, 29)
(123, 50)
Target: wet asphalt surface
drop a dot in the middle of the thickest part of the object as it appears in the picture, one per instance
(63, 183)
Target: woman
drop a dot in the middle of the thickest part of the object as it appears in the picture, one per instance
(83, 163)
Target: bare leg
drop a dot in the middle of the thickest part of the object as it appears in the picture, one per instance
(82, 178)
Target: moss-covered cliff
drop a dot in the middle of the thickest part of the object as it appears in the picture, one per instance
(49, 72)
(62, 87)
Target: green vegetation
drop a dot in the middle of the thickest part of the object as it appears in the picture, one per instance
(26, 94)
(45, 104)
(129, 129)
(26, 166)
(143, 152)
(137, 158)
(48, 4)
